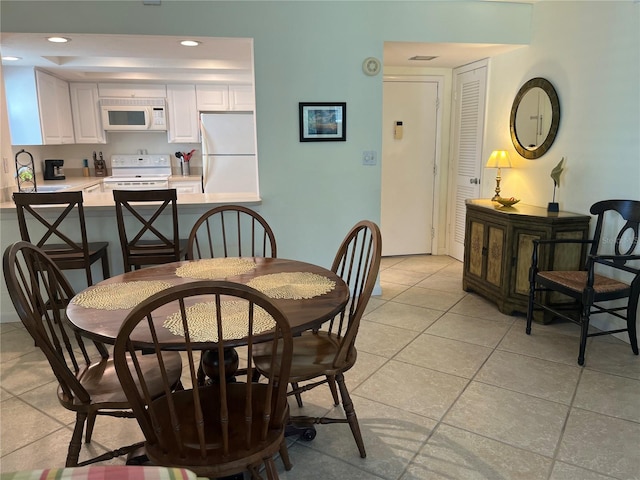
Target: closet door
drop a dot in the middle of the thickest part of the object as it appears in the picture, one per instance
(470, 86)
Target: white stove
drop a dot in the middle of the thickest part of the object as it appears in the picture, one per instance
(138, 172)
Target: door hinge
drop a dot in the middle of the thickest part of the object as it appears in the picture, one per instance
(433, 232)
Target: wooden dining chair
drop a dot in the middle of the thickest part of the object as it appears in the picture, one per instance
(147, 237)
(88, 384)
(327, 354)
(217, 429)
(609, 283)
(231, 231)
(55, 240)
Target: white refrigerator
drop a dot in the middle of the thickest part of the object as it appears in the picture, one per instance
(229, 162)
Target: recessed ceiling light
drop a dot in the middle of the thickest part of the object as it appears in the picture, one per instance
(11, 58)
(424, 58)
(58, 39)
(189, 43)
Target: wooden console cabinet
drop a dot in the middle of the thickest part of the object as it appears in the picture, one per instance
(498, 247)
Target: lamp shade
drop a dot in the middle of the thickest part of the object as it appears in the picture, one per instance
(499, 159)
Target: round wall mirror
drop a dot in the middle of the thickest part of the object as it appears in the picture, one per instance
(535, 117)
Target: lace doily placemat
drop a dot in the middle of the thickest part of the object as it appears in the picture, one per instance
(114, 296)
(215, 268)
(201, 319)
(292, 285)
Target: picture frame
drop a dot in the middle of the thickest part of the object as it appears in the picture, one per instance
(323, 121)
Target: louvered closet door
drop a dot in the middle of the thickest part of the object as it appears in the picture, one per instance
(468, 110)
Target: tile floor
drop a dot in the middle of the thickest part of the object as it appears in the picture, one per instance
(445, 387)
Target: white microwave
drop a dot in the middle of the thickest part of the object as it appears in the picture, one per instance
(133, 114)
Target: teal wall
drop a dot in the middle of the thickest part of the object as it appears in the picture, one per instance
(304, 51)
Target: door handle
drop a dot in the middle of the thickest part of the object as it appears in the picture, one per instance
(474, 181)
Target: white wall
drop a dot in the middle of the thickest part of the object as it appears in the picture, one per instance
(590, 52)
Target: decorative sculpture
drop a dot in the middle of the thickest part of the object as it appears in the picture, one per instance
(555, 175)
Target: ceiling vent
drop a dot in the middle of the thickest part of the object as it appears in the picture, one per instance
(423, 58)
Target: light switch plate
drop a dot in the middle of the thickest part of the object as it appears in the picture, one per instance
(369, 157)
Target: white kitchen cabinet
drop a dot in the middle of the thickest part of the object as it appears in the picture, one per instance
(210, 98)
(222, 98)
(85, 109)
(131, 90)
(185, 185)
(242, 98)
(38, 106)
(183, 114)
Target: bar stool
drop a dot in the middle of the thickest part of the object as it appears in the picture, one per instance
(142, 240)
(66, 253)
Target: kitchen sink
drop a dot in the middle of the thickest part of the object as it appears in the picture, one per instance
(51, 188)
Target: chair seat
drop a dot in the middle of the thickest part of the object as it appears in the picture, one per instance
(149, 252)
(576, 281)
(101, 382)
(62, 253)
(313, 355)
(215, 463)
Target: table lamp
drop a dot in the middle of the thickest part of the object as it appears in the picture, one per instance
(498, 159)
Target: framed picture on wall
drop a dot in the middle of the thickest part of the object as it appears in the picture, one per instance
(323, 122)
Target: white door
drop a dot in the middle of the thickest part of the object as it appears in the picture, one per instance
(408, 163)
(466, 163)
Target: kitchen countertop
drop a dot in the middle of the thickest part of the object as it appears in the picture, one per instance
(98, 201)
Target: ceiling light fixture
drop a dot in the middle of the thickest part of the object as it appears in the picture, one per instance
(189, 43)
(10, 58)
(59, 39)
(424, 58)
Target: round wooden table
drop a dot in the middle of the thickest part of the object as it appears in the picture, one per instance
(103, 325)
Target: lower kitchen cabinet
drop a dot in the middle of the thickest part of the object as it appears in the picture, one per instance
(498, 246)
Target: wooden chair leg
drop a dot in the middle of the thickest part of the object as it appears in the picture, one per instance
(631, 327)
(284, 455)
(350, 412)
(334, 391)
(75, 444)
(584, 330)
(298, 396)
(91, 421)
(270, 468)
(106, 273)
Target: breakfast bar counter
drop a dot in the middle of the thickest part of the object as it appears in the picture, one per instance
(100, 218)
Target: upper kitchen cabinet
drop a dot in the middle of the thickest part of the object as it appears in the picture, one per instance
(183, 114)
(39, 107)
(131, 90)
(220, 98)
(85, 107)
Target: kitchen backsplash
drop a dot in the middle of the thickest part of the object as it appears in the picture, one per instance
(117, 143)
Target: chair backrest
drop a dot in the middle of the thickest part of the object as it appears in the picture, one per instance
(357, 262)
(218, 422)
(52, 233)
(231, 231)
(40, 293)
(617, 227)
(143, 237)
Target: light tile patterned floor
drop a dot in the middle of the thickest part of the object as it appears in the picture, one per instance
(445, 387)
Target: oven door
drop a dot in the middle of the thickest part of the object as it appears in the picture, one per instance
(139, 184)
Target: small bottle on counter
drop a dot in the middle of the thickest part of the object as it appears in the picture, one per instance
(85, 168)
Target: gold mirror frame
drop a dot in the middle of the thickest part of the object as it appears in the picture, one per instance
(541, 149)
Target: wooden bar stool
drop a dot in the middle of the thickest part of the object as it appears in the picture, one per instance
(68, 254)
(143, 241)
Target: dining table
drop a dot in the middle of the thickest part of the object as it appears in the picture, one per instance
(96, 314)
